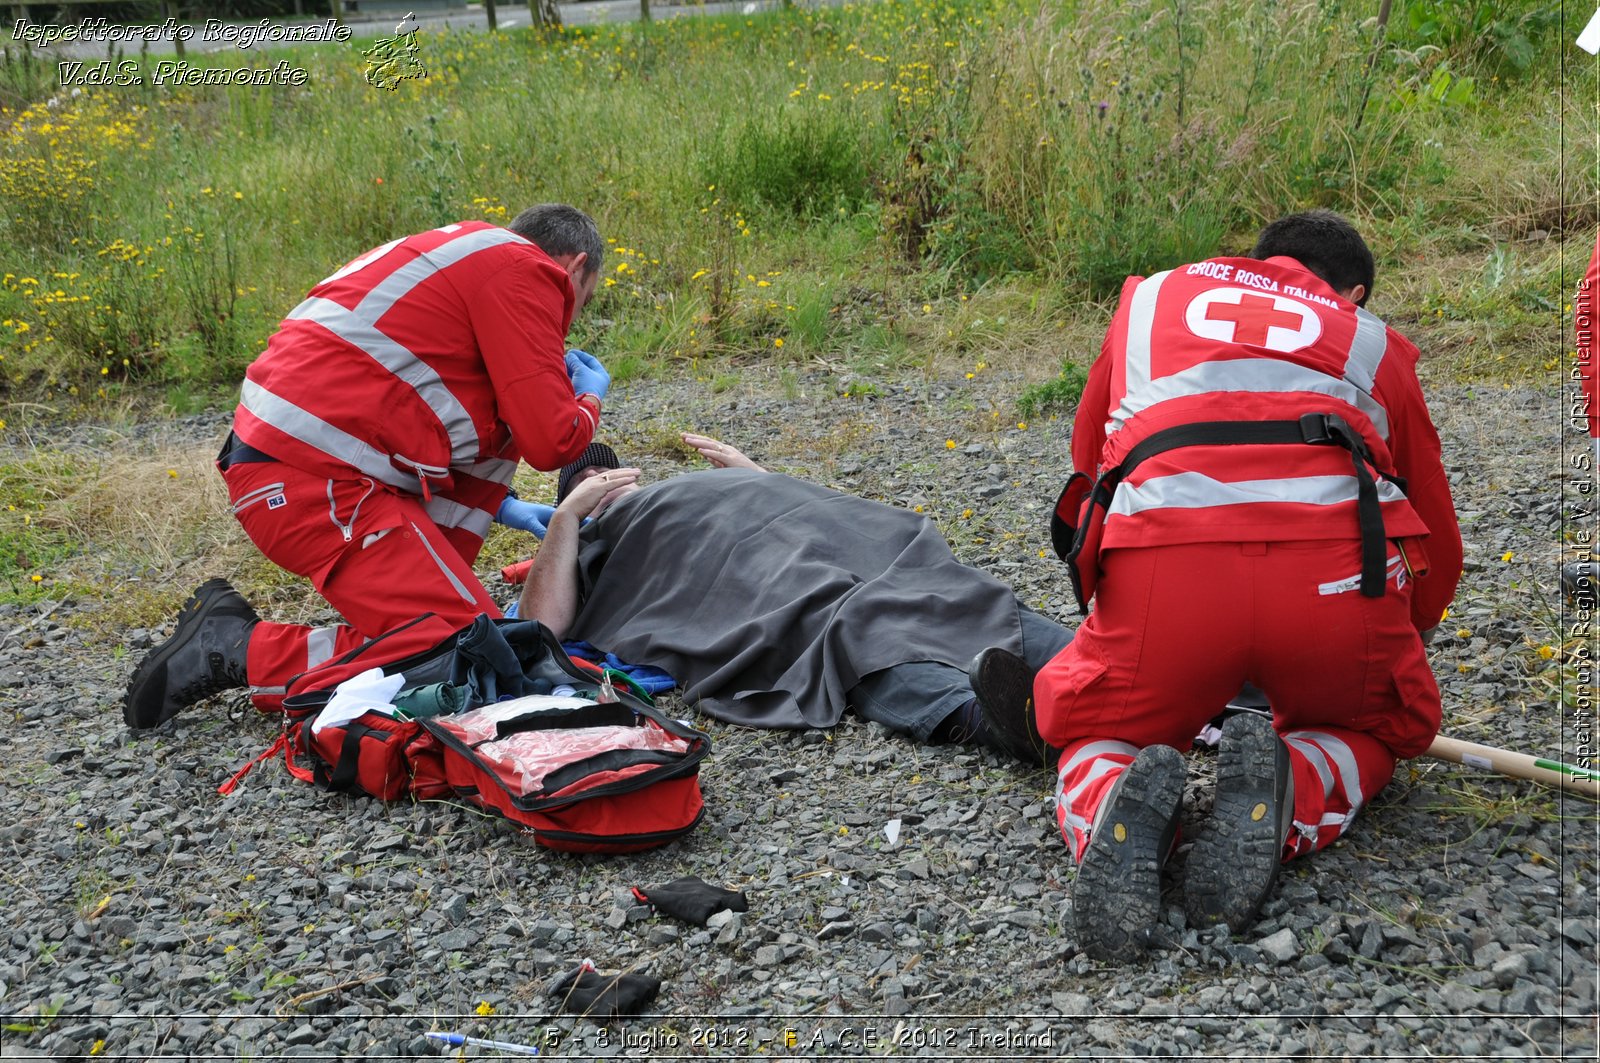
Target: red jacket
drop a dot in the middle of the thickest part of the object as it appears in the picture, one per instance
(1246, 340)
(431, 364)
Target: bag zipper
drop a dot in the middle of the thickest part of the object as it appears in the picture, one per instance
(619, 839)
(687, 763)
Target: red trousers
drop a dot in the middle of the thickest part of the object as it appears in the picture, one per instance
(1177, 630)
(372, 552)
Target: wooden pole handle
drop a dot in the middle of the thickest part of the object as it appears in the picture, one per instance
(1570, 777)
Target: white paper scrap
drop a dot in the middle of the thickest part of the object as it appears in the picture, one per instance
(371, 691)
(1589, 39)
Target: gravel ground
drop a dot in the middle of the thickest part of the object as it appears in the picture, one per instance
(147, 916)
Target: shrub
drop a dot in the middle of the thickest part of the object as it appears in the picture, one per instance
(802, 162)
(1488, 34)
(1056, 395)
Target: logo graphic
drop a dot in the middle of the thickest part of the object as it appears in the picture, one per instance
(1236, 315)
(277, 502)
(394, 59)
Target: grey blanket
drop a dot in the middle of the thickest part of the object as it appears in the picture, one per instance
(769, 598)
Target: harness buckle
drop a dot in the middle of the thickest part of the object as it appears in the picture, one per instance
(1317, 428)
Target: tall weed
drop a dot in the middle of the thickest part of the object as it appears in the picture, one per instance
(1128, 137)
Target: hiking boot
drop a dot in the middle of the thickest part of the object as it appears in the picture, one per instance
(205, 656)
(1236, 858)
(1004, 685)
(1116, 899)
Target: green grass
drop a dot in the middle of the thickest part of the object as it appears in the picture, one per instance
(903, 186)
(810, 176)
(32, 491)
(1053, 396)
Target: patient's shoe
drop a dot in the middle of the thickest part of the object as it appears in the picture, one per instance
(1116, 899)
(1004, 685)
(1237, 854)
(204, 656)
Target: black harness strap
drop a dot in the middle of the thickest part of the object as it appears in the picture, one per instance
(1315, 429)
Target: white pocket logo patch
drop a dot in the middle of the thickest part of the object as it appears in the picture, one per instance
(277, 502)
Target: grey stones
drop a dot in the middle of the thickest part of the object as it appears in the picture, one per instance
(1453, 918)
(1280, 947)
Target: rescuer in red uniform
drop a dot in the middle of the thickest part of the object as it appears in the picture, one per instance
(1273, 510)
(375, 441)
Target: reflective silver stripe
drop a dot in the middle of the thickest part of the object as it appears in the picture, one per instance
(1366, 351)
(312, 430)
(319, 646)
(363, 262)
(1092, 751)
(396, 285)
(1072, 819)
(1245, 375)
(1318, 761)
(1194, 490)
(495, 470)
(1141, 323)
(1067, 801)
(449, 514)
(455, 581)
(358, 330)
(1100, 768)
(257, 692)
(1095, 749)
(1344, 763)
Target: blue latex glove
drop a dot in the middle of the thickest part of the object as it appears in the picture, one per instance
(587, 374)
(529, 516)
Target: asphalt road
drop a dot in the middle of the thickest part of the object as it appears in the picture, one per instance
(383, 14)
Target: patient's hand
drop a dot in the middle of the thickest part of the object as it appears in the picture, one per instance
(590, 497)
(722, 455)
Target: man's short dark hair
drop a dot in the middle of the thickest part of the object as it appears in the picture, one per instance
(558, 229)
(1324, 243)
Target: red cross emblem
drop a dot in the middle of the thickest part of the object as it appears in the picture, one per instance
(1251, 318)
(1235, 315)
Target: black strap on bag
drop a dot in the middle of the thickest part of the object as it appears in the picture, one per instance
(343, 776)
(1315, 429)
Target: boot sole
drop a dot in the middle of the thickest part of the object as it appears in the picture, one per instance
(1235, 860)
(1116, 899)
